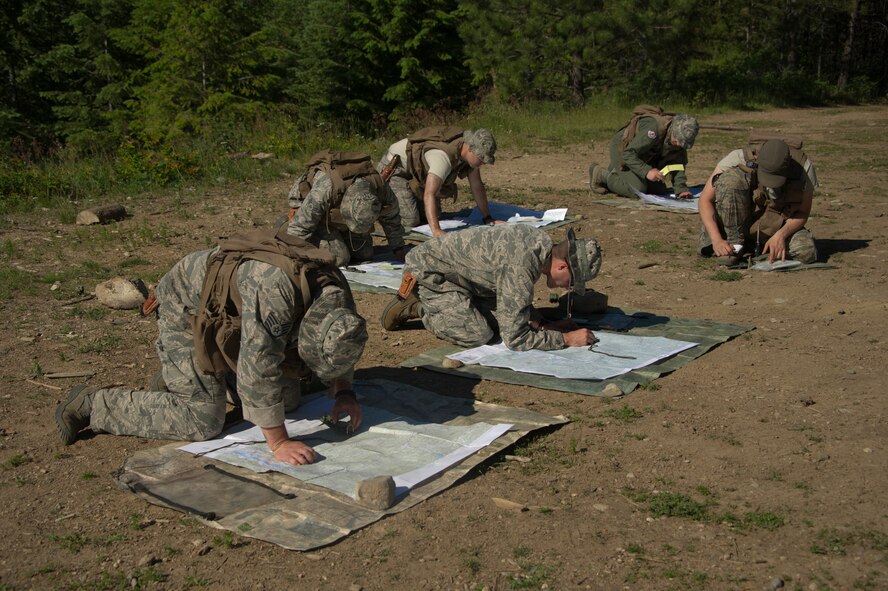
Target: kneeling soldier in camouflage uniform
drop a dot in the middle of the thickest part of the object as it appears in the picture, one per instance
(337, 200)
(426, 167)
(759, 198)
(264, 306)
(478, 282)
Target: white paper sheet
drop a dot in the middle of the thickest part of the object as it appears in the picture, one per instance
(613, 355)
(386, 444)
(671, 200)
(512, 214)
(381, 274)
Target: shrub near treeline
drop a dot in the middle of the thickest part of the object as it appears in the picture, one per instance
(127, 95)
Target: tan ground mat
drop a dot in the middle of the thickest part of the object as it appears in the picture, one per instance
(285, 511)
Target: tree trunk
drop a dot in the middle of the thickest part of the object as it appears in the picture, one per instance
(845, 64)
(577, 89)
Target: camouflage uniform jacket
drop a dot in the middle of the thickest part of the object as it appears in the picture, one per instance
(502, 262)
(651, 148)
(269, 327)
(314, 209)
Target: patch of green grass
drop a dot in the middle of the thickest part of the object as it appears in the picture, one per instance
(722, 275)
(763, 520)
(775, 475)
(13, 281)
(37, 369)
(532, 577)
(73, 543)
(100, 345)
(546, 510)
(635, 549)
(669, 504)
(226, 540)
(88, 476)
(521, 552)
(472, 564)
(624, 414)
(704, 491)
(133, 262)
(135, 521)
(195, 581)
(650, 386)
(652, 246)
(17, 460)
(637, 436)
(138, 579)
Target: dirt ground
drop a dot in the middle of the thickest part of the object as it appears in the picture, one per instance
(768, 454)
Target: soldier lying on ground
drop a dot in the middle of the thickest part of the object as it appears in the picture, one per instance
(430, 162)
(476, 283)
(759, 198)
(269, 309)
(650, 141)
(337, 200)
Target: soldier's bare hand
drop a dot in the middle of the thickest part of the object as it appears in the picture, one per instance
(685, 195)
(579, 338)
(347, 404)
(296, 453)
(722, 248)
(654, 174)
(775, 247)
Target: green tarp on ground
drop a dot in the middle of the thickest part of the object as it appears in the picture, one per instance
(299, 516)
(707, 333)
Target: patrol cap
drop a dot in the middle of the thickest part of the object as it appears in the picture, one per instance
(684, 130)
(331, 335)
(482, 144)
(360, 207)
(773, 161)
(584, 260)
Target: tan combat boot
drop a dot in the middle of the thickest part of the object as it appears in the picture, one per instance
(596, 179)
(404, 306)
(72, 416)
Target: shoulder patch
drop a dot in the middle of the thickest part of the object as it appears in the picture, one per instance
(275, 326)
(652, 134)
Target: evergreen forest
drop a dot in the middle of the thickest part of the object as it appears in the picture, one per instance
(153, 86)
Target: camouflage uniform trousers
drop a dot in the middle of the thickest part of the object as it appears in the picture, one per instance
(622, 182)
(457, 317)
(410, 204)
(734, 214)
(193, 407)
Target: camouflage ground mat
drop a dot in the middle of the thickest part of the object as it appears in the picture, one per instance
(657, 202)
(707, 333)
(299, 516)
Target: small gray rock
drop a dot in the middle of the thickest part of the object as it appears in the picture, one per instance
(148, 560)
(376, 493)
(451, 363)
(729, 302)
(612, 391)
(776, 583)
